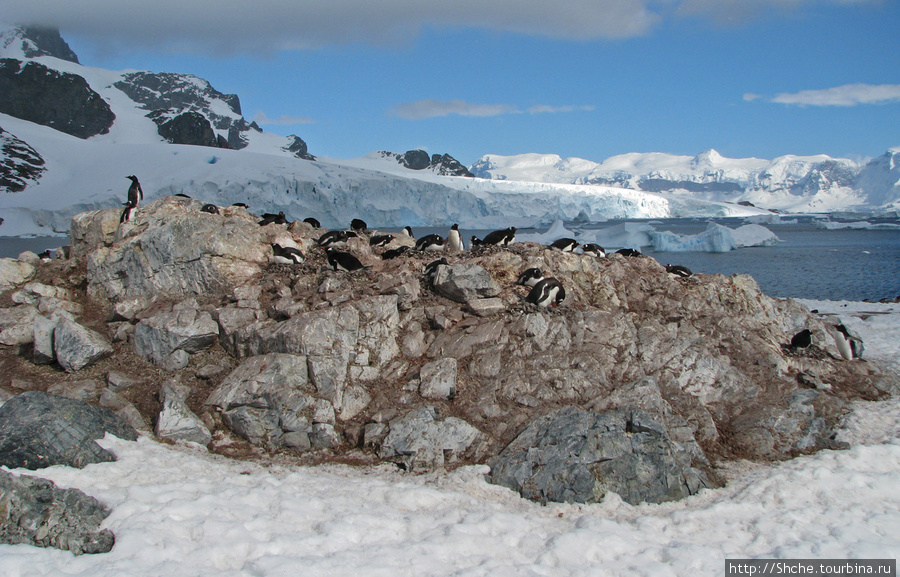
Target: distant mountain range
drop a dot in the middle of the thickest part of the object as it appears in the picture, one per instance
(69, 134)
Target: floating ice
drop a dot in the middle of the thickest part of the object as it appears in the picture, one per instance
(716, 238)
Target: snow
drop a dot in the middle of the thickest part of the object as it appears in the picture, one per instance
(177, 510)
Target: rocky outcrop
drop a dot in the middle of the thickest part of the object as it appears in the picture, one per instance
(39, 430)
(37, 512)
(187, 128)
(39, 41)
(60, 100)
(20, 164)
(299, 148)
(418, 159)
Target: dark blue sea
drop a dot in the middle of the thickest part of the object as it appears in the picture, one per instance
(809, 262)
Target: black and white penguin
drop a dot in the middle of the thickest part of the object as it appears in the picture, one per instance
(135, 192)
(431, 242)
(335, 238)
(547, 292)
(181, 194)
(269, 218)
(394, 252)
(287, 254)
(454, 239)
(565, 244)
(358, 225)
(593, 249)
(210, 208)
(530, 277)
(802, 339)
(431, 268)
(850, 346)
(312, 222)
(380, 239)
(475, 241)
(45, 256)
(344, 261)
(407, 230)
(242, 205)
(503, 237)
(678, 270)
(126, 213)
(628, 252)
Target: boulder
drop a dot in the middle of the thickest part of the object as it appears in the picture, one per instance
(573, 455)
(41, 430)
(464, 282)
(17, 325)
(92, 230)
(36, 512)
(14, 272)
(438, 379)
(189, 330)
(419, 439)
(77, 347)
(170, 248)
(176, 422)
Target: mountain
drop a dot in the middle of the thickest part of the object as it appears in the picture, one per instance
(788, 183)
(72, 133)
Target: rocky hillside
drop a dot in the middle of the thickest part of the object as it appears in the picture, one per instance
(640, 382)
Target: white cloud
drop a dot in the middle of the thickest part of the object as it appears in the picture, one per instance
(543, 108)
(284, 120)
(847, 95)
(430, 108)
(750, 97)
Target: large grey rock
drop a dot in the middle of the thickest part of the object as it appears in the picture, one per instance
(92, 230)
(77, 347)
(464, 282)
(438, 379)
(170, 248)
(40, 430)
(42, 350)
(572, 455)
(266, 397)
(37, 512)
(420, 440)
(188, 330)
(176, 421)
(17, 325)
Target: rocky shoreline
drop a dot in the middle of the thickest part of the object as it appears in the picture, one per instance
(181, 324)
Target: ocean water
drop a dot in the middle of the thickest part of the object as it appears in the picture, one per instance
(809, 263)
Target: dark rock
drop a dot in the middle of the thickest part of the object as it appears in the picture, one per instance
(187, 128)
(60, 100)
(572, 455)
(20, 164)
(40, 430)
(41, 41)
(36, 512)
(299, 148)
(415, 159)
(446, 165)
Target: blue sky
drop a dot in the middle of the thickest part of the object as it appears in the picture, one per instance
(585, 78)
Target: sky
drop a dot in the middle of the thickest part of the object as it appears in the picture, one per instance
(582, 78)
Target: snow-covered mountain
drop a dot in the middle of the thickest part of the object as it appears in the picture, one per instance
(788, 183)
(71, 133)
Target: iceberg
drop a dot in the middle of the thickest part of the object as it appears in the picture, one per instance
(557, 231)
(716, 238)
(625, 235)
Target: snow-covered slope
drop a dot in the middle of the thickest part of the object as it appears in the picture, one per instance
(790, 183)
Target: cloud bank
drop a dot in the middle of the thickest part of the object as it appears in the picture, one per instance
(229, 27)
(847, 95)
(430, 108)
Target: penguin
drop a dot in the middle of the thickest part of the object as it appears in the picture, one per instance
(850, 346)
(407, 230)
(431, 242)
(182, 195)
(210, 208)
(593, 250)
(312, 222)
(344, 261)
(242, 205)
(565, 244)
(678, 270)
(501, 237)
(394, 252)
(530, 277)
(628, 252)
(475, 241)
(802, 339)
(335, 238)
(135, 192)
(380, 239)
(431, 268)
(547, 292)
(45, 256)
(126, 214)
(287, 254)
(269, 218)
(454, 239)
(358, 225)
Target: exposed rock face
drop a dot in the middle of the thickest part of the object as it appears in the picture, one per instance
(186, 109)
(170, 247)
(14, 272)
(60, 100)
(572, 455)
(38, 430)
(35, 511)
(77, 347)
(20, 164)
(40, 41)
(418, 159)
(299, 148)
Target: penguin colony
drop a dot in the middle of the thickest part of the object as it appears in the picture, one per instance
(544, 291)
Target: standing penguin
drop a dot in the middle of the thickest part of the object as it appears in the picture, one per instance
(850, 346)
(135, 195)
(408, 231)
(454, 239)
